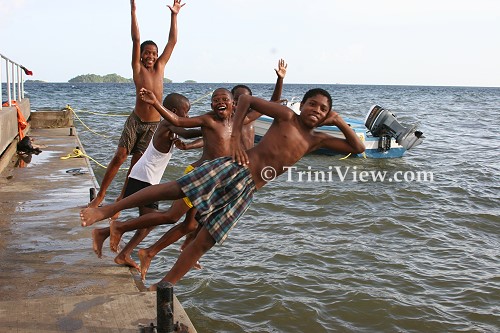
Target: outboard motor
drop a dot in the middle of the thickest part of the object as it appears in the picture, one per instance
(382, 123)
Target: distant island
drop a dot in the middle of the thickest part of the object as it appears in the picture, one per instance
(109, 78)
(35, 81)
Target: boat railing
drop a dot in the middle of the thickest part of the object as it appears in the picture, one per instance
(14, 79)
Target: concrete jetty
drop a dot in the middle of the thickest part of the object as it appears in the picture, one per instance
(50, 278)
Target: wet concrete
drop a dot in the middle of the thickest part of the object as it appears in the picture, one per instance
(46, 259)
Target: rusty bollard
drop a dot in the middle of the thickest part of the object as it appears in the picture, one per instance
(92, 193)
(165, 308)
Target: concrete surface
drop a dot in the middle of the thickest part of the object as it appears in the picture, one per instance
(50, 279)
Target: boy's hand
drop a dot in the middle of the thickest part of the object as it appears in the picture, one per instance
(176, 7)
(281, 71)
(180, 144)
(332, 119)
(238, 152)
(147, 96)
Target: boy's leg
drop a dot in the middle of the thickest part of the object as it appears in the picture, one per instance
(98, 238)
(190, 236)
(124, 258)
(111, 171)
(171, 236)
(191, 254)
(133, 161)
(171, 216)
(166, 191)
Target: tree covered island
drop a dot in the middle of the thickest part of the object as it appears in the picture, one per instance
(109, 78)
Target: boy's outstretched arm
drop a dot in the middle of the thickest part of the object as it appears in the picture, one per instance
(136, 39)
(351, 144)
(172, 36)
(149, 97)
(278, 88)
(198, 143)
(186, 133)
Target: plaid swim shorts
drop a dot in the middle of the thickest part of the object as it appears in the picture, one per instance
(221, 191)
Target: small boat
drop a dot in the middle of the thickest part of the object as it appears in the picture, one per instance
(382, 134)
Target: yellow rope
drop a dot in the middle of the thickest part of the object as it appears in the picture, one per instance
(343, 158)
(103, 114)
(362, 138)
(202, 97)
(78, 153)
(84, 125)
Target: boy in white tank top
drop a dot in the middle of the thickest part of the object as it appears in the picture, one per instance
(148, 171)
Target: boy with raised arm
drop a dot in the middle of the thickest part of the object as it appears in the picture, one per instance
(148, 171)
(216, 128)
(222, 189)
(248, 133)
(148, 71)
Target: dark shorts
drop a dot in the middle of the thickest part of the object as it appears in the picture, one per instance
(221, 191)
(134, 185)
(137, 134)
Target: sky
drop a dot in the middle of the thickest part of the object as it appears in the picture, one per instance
(383, 42)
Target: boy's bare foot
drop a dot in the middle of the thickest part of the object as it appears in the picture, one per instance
(89, 216)
(114, 235)
(122, 259)
(145, 261)
(98, 238)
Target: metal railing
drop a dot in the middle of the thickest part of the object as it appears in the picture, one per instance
(14, 80)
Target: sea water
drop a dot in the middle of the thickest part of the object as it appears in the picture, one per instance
(345, 253)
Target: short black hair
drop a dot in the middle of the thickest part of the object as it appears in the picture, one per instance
(148, 42)
(318, 91)
(175, 101)
(242, 86)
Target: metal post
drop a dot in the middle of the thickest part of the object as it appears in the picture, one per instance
(19, 92)
(165, 307)
(14, 95)
(9, 96)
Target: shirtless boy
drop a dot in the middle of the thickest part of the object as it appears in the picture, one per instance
(216, 128)
(149, 171)
(222, 189)
(248, 133)
(148, 71)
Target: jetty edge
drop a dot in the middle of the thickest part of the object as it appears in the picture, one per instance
(51, 280)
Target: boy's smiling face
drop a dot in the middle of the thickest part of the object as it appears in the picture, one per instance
(149, 56)
(314, 110)
(222, 103)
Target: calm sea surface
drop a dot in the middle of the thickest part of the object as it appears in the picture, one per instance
(343, 255)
